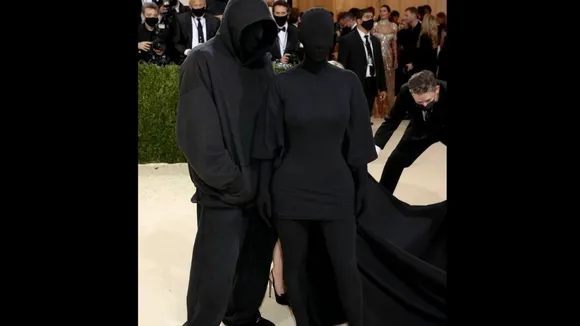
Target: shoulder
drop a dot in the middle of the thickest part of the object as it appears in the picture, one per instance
(350, 77)
(405, 90)
(292, 29)
(182, 16)
(211, 17)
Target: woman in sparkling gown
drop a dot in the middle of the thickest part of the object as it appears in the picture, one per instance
(386, 32)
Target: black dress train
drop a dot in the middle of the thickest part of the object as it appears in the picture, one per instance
(402, 258)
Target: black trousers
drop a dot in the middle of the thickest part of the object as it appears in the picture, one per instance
(229, 268)
(371, 92)
(340, 238)
(406, 152)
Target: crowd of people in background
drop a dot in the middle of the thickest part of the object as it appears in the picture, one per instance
(409, 42)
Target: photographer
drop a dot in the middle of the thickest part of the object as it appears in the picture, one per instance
(145, 32)
(151, 45)
(168, 10)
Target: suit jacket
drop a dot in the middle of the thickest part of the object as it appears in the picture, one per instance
(292, 43)
(352, 55)
(420, 127)
(183, 30)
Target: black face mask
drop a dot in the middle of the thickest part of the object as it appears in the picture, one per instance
(251, 41)
(430, 106)
(198, 12)
(317, 34)
(151, 21)
(280, 20)
(345, 30)
(368, 25)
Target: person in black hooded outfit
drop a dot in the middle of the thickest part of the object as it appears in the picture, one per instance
(314, 139)
(219, 97)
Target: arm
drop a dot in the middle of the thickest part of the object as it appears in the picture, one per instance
(382, 79)
(343, 52)
(395, 50)
(268, 144)
(358, 142)
(178, 38)
(199, 132)
(393, 120)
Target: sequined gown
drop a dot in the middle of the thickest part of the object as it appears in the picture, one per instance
(386, 32)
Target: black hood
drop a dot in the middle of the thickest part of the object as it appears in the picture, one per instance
(241, 15)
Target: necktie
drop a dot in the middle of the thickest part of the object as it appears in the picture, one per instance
(283, 29)
(370, 56)
(199, 31)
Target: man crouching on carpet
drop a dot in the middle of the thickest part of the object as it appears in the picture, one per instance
(220, 92)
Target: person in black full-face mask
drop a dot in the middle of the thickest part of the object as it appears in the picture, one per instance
(314, 141)
(221, 84)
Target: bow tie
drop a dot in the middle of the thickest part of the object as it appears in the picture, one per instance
(283, 29)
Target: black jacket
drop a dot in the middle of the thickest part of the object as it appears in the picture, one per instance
(292, 44)
(434, 128)
(352, 55)
(182, 37)
(220, 93)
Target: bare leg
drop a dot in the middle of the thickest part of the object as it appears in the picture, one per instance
(277, 273)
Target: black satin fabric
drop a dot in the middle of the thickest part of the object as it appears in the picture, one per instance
(402, 259)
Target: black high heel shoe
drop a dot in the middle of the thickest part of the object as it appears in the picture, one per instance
(280, 299)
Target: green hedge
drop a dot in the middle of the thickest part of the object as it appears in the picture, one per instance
(158, 95)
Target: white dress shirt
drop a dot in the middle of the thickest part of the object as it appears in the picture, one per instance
(283, 38)
(194, 35)
(369, 63)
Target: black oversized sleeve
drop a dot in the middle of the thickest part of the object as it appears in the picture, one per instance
(198, 128)
(269, 132)
(359, 146)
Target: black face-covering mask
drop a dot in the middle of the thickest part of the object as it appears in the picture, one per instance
(316, 34)
(280, 20)
(250, 41)
(345, 30)
(151, 21)
(368, 25)
(198, 12)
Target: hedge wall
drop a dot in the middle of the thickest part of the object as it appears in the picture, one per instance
(158, 95)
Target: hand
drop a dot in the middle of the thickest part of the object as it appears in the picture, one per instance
(382, 95)
(264, 203)
(162, 9)
(409, 66)
(144, 46)
(187, 52)
(285, 58)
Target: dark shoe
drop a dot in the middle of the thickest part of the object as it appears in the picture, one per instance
(264, 322)
(280, 299)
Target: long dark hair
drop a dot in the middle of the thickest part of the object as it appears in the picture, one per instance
(388, 9)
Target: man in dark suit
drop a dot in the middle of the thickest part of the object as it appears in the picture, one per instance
(425, 100)
(194, 27)
(287, 41)
(407, 39)
(360, 52)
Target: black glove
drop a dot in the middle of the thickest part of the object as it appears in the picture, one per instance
(360, 176)
(264, 200)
